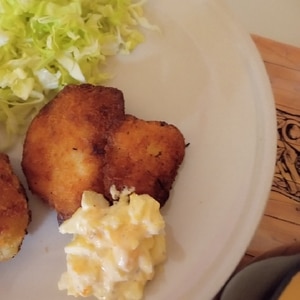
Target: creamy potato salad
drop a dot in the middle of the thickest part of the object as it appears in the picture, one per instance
(115, 248)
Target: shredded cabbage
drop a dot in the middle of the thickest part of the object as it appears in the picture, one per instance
(45, 45)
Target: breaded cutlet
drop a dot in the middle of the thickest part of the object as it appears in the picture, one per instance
(64, 145)
(14, 211)
(145, 155)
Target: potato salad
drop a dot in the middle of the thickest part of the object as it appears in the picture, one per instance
(115, 248)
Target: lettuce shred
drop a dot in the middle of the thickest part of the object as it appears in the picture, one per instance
(46, 45)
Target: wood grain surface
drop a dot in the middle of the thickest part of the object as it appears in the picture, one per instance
(279, 230)
(280, 224)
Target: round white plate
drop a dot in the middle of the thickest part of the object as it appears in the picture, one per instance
(203, 74)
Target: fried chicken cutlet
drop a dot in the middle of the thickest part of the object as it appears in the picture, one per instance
(64, 146)
(14, 211)
(145, 155)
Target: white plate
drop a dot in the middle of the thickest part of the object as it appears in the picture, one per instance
(203, 74)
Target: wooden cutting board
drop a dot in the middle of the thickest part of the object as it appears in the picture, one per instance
(279, 230)
(280, 224)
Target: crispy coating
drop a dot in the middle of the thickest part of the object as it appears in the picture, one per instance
(145, 155)
(82, 140)
(64, 145)
(14, 211)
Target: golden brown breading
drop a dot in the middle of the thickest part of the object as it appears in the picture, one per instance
(145, 155)
(14, 211)
(64, 146)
